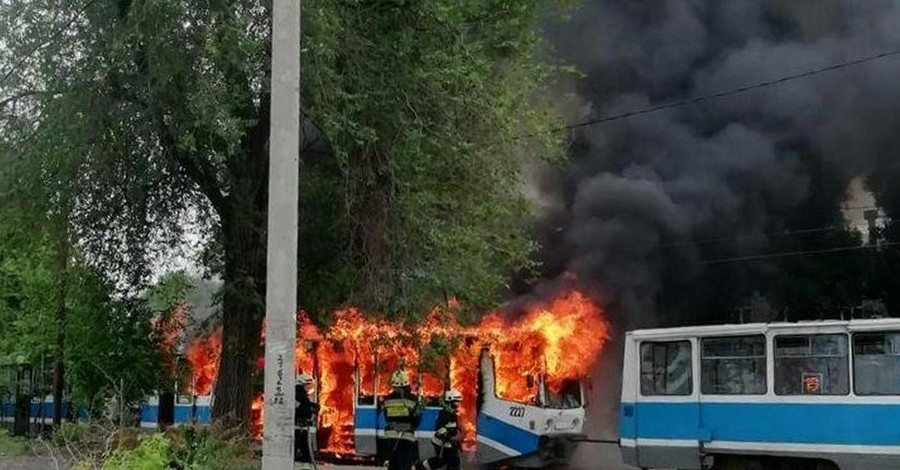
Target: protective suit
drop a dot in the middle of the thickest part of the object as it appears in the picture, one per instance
(304, 421)
(446, 440)
(402, 413)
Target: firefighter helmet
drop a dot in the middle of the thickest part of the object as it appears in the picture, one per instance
(304, 379)
(453, 396)
(399, 379)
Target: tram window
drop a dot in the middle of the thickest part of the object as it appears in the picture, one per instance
(563, 394)
(366, 379)
(733, 366)
(876, 363)
(432, 389)
(812, 365)
(666, 368)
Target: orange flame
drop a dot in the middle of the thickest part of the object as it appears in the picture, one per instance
(167, 333)
(203, 355)
(257, 411)
(559, 341)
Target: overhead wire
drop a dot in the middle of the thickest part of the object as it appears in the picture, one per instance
(735, 91)
(761, 236)
(788, 254)
(729, 92)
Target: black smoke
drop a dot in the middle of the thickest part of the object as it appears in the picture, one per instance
(663, 216)
(653, 203)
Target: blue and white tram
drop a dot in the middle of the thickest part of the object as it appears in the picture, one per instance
(507, 433)
(809, 395)
(40, 410)
(527, 435)
(187, 409)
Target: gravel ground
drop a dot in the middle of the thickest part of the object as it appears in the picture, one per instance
(29, 463)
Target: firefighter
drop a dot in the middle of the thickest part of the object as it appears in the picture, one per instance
(446, 436)
(402, 413)
(304, 418)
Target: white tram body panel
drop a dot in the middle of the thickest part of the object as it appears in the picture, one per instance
(523, 435)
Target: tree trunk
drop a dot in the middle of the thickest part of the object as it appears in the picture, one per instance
(62, 261)
(243, 306)
(243, 219)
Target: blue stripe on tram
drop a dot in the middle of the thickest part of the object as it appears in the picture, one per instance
(510, 436)
(370, 418)
(825, 423)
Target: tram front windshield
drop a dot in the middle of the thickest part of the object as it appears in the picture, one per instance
(564, 394)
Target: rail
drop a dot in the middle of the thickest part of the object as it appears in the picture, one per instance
(594, 441)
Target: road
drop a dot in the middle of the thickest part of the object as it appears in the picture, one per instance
(593, 457)
(587, 457)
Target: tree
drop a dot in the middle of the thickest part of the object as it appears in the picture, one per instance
(411, 155)
(31, 229)
(26, 310)
(107, 341)
(109, 346)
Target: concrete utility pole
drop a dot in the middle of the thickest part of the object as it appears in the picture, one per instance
(281, 276)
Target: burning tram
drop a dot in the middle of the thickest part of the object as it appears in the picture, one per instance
(531, 433)
(522, 380)
(498, 429)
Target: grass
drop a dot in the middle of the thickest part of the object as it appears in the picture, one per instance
(12, 446)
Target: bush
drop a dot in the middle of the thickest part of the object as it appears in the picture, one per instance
(211, 449)
(152, 453)
(10, 445)
(70, 433)
(187, 448)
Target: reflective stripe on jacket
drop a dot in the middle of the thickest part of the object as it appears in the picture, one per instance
(401, 414)
(393, 434)
(446, 429)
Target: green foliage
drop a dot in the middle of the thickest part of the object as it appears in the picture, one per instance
(153, 453)
(107, 340)
(170, 291)
(188, 448)
(12, 446)
(422, 105)
(203, 448)
(26, 299)
(70, 433)
(122, 119)
(110, 352)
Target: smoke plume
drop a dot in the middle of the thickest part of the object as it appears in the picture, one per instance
(645, 194)
(652, 204)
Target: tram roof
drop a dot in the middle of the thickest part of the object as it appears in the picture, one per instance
(880, 324)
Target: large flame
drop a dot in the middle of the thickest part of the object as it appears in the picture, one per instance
(559, 340)
(203, 355)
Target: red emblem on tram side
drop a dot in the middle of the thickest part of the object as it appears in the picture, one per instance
(812, 383)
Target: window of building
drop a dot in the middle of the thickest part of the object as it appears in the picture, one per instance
(876, 363)
(666, 368)
(812, 365)
(733, 366)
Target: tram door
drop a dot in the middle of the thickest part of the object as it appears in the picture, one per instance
(367, 421)
(667, 415)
